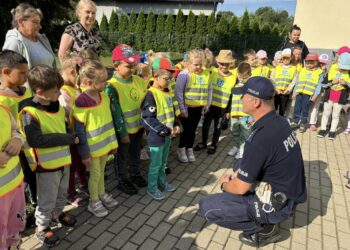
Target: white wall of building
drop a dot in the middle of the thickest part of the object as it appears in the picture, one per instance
(106, 8)
(324, 24)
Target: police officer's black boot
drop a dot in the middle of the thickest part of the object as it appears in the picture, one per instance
(269, 234)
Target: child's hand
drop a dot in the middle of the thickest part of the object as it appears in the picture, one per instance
(4, 158)
(293, 96)
(87, 161)
(342, 82)
(114, 151)
(205, 109)
(335, 81)
(183, 115)
(76, 140)
(286, 92)
(12, 147)
(125, 139)
(175, 131)
(227, 115)
(250, 120)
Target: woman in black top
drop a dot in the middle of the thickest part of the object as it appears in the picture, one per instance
(294, 42)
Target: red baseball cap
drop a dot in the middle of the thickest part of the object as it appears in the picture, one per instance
(313, 56)
(123, 52)
(163, 63)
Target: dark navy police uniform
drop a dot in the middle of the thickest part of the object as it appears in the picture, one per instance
(271, 154)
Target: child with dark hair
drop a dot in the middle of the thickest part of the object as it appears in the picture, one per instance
(42, 123)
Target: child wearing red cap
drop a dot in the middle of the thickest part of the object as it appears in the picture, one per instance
(306, 90)
(336, 95)
(126, 92)
(159, 119)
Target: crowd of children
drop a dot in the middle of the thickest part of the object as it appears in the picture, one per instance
(70, 122)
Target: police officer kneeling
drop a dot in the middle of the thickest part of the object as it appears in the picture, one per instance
(268, 182)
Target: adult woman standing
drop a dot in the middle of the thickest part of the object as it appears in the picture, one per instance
(293, 41)
(81, 35)
(25, 38)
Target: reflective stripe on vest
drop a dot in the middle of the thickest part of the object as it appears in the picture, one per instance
(237, 106)
(99, 127)
(11, 175)
(130, 98)
(222, 87)
(165, 107)
(284, 76)
(47, 158)
(334, 73)
(11, 102)
(307, 81)
(196, 92)
(261, 71)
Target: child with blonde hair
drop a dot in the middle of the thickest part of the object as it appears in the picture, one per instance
(93, 124)
(69, 91)
(192, 90)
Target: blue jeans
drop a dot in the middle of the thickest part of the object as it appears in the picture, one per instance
(301, 108)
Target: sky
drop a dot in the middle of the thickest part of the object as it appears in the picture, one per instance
(239, 6)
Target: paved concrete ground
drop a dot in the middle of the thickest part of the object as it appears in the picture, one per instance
(141, 223)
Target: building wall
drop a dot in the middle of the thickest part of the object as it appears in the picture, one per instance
(106, 7)
(325, 24)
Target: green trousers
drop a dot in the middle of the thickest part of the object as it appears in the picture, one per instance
(158, 162)
(240, 130)
(97, 177)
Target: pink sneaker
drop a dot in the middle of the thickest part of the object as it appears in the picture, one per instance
(313, 127)
(347, 131)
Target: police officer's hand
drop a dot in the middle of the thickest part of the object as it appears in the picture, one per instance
(4, 158)
(125, 139)
(183, 115)
(12, 147)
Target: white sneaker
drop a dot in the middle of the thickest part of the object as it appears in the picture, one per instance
(108, 200)
(97, 209)
(190, 155)
(181, 155)
(239, 154)
(233, 151)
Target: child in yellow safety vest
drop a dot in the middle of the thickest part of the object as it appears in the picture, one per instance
(13, 71)
(42, 123)
(283, 76)
(297, 58)
(306, 90)
(93, 123)
(14, 74)
(191, 92)
(251, 58)
(240, 121)
(222, 82)
(336, 95)
(126, 92)
(159, 120)
(69, 91)
(262, 69)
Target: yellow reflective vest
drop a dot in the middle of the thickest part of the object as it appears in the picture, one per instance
(99, 127)
(46, 158)
(237, 105)
(165, 106)
(11, 102)
(196, 92)
(222, 88)
(334, 73)
(284, 76)
(130, 98)
(11, 174)
(308, 81)
(72, 92)
(261, 71)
